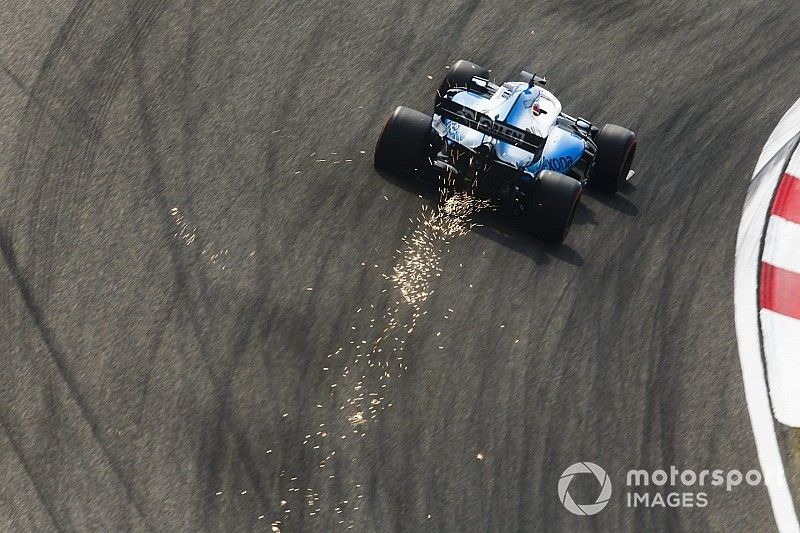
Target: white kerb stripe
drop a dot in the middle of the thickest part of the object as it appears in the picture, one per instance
(782, 352)
(794, 166)
(787, 128)
(782, 245)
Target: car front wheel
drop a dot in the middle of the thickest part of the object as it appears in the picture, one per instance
(616, 147)
(459, 76)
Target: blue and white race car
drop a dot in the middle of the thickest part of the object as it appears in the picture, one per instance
(511, 142)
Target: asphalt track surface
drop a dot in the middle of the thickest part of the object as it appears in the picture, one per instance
(140, 378)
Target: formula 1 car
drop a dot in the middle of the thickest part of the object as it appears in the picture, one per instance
(511, 142)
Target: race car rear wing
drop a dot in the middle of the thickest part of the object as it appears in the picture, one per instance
(476, 120)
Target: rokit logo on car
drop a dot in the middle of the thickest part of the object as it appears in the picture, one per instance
(559, 164)
(486, 125)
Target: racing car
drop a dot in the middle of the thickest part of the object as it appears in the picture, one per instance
(511, 142)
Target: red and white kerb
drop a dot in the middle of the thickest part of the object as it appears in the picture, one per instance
(767, 304)
(779, 290)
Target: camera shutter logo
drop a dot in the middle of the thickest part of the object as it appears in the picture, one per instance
(589, 508)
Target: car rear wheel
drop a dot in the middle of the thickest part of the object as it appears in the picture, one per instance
(616, 147)
(551, 206)
(459, 75)
(404, 142)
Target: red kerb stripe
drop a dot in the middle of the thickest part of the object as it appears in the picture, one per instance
(787, 199)
(780, 290)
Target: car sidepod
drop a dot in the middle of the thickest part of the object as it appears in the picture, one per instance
(561, 153)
